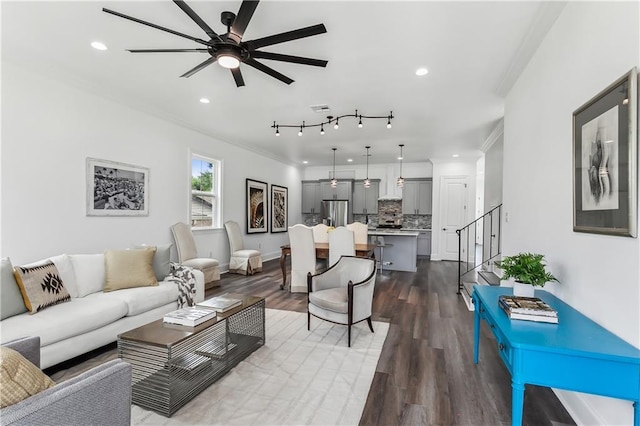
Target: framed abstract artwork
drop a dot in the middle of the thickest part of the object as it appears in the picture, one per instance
(605, 160)
(116, 189)
(279, 213)
(256, 206)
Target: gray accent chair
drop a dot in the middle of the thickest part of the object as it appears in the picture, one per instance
(343, 294)
(100, 396)
(188, 254)
(241, 260)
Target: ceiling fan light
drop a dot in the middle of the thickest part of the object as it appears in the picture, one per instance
(228, 60)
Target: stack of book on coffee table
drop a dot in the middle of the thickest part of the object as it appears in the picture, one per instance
(528, 308)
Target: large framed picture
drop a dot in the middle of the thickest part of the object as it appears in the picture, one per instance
(256, 206)
(279, 213)
(116, 189)
(605, 161)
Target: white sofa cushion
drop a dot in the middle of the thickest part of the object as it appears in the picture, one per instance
(65, 320)
(90, 273)
(67, 273)
(142, 299)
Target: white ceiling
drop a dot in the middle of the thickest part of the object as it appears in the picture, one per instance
(474, 52)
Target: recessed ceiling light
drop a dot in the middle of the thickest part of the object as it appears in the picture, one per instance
(349, 160)
(455, 156)
(422, 71)
(98, 45)
(204, 100)
(305, 162)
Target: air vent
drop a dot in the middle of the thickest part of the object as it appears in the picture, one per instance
(320, 108)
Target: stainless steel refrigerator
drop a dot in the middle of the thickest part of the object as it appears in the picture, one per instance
(335, 212)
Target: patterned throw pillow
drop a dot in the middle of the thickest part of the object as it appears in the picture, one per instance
(41, 286)
(20, 378)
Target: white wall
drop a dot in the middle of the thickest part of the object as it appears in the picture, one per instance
(50, 128)
(493, 175)
(591, 45)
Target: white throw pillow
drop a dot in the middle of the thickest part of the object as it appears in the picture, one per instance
(67, 273)
(90, 273)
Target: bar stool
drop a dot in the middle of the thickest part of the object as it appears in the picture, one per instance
(380, 244)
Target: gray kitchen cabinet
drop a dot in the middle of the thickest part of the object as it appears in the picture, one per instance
(424, 243)
(340, 192)
(416, 196)
(365, 200)
(311, 197)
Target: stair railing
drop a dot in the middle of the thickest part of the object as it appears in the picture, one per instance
(491, 241)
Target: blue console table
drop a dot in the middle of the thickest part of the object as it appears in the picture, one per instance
(576, 354)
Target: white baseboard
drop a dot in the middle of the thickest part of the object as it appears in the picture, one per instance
(578, 409)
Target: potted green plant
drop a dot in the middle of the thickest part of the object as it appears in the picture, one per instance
(528, 270)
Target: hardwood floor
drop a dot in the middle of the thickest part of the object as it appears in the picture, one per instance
(426, 374)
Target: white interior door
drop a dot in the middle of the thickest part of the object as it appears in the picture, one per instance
(453, 214)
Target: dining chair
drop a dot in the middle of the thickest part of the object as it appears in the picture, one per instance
(241, 261)
(343, 294)
(360, 232)
(320, 234)
(188, 253)
(341, 243)
(303, 257)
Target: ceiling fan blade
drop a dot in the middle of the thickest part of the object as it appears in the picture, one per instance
(288, 58)
(287, 36)
(242, 20)
(200, 66)
(265, 69)
(158, 27)
(237, 76)
(166, 50)
(197, 19)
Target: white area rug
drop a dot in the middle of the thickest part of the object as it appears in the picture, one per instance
(298, 377)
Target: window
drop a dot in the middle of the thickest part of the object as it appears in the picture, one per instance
(205, 192)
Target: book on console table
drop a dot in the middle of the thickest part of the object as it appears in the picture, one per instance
(190, 317)
(220, 304)
(528, 308)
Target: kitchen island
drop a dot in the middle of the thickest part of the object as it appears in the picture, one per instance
(400, 251)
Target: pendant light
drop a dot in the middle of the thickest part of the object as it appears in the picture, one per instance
(367, 183)
(400, 180)
(334, 181)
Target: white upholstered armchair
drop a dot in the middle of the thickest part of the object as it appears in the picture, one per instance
(242, 261)
(343, 294)
(188, 253)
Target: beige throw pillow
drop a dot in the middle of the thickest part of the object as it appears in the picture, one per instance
(129, 268)
(19, 378)
(40, 285)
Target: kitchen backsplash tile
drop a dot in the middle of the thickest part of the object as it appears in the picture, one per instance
(416, 221)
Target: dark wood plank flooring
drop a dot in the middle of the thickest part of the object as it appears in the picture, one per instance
(426, 374)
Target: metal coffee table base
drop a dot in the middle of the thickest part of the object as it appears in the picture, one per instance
(166, 377)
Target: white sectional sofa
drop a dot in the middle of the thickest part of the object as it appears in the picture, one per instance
(91, 318)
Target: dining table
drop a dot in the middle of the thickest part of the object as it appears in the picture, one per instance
(322, 252)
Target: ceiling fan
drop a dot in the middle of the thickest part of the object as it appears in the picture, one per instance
(229, 50)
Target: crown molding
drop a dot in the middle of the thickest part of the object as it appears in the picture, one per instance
(496, 133)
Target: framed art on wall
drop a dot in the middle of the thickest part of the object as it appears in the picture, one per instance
(279, 213)
(605, 161)
(256, 207)
(116, 189)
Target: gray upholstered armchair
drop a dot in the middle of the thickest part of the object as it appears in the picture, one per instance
(343, 294)
(100, 396)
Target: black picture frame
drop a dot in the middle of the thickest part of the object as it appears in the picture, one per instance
(605, 162)
(257, 207)
(279, 209)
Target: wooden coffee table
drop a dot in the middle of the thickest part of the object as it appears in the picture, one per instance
(171, 364)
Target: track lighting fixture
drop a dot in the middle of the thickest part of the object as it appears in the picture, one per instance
(400, 180)
(334, 181)
(367, 183)
(277, 131)
(335, 121)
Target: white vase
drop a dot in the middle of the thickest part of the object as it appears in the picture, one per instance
(523, 290)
